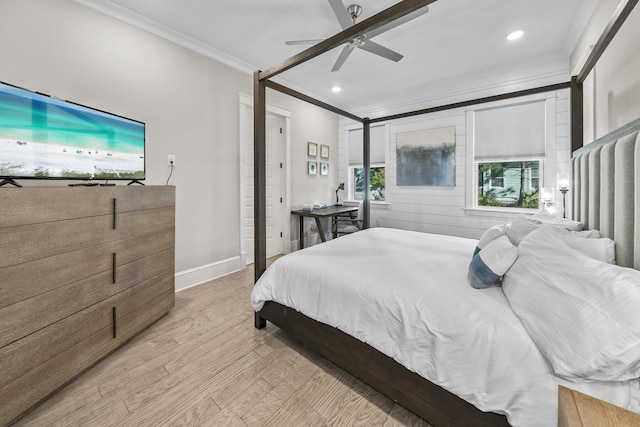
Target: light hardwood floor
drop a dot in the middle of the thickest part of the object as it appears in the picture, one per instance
(205, 364)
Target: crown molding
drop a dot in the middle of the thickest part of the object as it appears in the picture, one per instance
(116, 11)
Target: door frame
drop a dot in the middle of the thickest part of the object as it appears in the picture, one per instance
(246, 124)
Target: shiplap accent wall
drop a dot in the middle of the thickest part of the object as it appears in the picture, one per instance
(444, 210)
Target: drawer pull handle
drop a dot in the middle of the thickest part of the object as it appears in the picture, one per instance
(115, 214)
(114, 321)
(113, 274)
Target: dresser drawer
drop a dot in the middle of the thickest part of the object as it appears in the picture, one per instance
(143, 198)
(41, 363)
(27, 316)
(138, 223)
(30, 242)
(36, 205)
(22, 281)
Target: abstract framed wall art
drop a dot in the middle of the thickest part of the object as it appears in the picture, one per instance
(426, 157)
(324, 151)
(324, 168)
(312, 149)
(312, 168)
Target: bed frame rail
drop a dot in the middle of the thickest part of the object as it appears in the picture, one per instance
(425, 399)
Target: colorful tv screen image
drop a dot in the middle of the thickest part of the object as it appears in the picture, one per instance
(45, 137)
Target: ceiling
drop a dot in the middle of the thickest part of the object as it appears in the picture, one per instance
(455, 40)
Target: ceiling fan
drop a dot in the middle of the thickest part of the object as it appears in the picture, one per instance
(347, 17)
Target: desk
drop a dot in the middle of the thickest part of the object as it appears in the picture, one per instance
(319, 213)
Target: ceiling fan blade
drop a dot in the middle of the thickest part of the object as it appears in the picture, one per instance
(341, 13)
(372, 47)
(297, 42)
(406, 18)
(343, 57)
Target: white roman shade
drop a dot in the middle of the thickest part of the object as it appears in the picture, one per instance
(376, 148)
(514, 131)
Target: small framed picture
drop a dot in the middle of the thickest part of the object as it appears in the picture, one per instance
(312, 168)
(324, 151)
(312, 149)
(324, 168)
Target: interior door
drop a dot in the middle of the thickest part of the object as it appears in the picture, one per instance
(275, 184)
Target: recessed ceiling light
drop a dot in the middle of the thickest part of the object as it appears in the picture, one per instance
(336, 89)
(515, 35)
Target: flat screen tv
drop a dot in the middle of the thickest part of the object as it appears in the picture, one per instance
(42, 137)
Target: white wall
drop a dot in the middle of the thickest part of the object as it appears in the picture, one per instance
(188, 101)
(309, 123)
(612, 90)
(444, 210)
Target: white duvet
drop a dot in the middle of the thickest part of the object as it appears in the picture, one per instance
(406, 294)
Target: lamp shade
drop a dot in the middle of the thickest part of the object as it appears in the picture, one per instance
(563, 181)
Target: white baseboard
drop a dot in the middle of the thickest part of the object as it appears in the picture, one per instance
(245, 259)
(198, 275)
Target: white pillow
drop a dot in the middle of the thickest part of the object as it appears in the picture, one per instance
(520, 227)
(583, 314)
(547, 218)
(491, 263)
(587, 234)
(602, 249)
(490, 235)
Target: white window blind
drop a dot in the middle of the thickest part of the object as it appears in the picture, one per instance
(376, 150)
(513, 131)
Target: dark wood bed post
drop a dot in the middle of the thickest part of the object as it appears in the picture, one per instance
(577, 94)
(620, 15)
(259, 187)
(577, 114)
(577, 133)
(366, 161)
(577, 109)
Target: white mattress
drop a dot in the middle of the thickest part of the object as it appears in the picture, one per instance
(406, 294)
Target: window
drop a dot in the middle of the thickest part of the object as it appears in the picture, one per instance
(376, 182)
(507, 155)
(377, 168)
(513, 184)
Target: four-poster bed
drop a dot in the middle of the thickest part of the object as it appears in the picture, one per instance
(426, 399)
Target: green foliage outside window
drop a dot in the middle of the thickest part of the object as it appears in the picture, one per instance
(509, 184)
(376, 183)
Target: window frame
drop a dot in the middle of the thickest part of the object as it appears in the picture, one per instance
(350, 181)
(548, 161)
(476, 184)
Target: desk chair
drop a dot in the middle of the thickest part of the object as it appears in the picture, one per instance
(346, 224)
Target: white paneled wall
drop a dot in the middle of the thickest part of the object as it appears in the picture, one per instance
(444, 210)
(563, 143)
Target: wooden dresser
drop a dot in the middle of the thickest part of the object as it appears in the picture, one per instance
(82, 270)
(577, 409)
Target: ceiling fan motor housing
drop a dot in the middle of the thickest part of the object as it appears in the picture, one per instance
(354, 10)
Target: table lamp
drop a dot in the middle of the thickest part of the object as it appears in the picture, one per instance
(340, 187)
(546, 194)
(563, 186)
